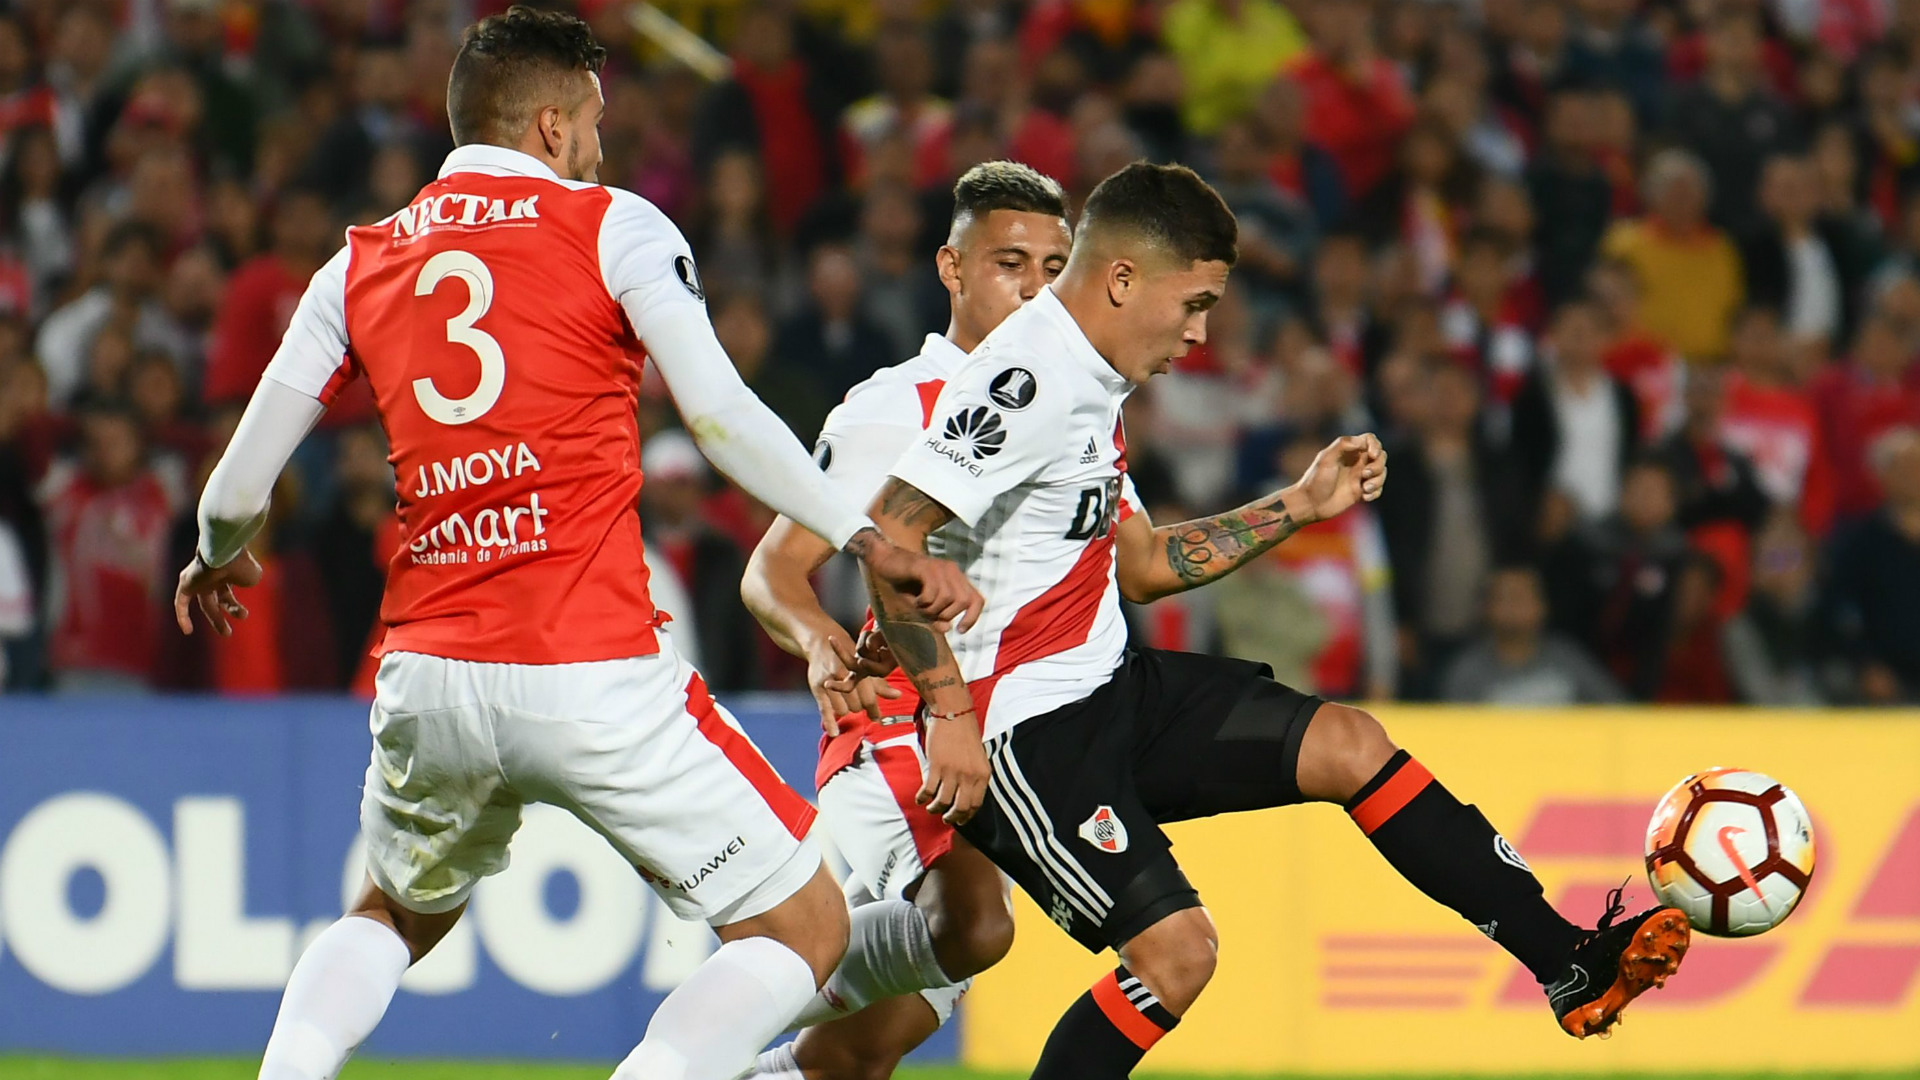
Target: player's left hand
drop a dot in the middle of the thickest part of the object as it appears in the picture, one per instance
(212, 588)
(1352, 469)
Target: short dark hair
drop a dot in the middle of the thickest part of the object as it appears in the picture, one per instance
(1006, 185)
(505, 60)
(1169, 206)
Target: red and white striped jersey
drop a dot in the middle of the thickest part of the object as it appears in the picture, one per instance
(1026, 448)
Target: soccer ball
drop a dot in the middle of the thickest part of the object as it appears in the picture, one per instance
(1732, 849)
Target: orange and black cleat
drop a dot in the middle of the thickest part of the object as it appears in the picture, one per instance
(1615, 964)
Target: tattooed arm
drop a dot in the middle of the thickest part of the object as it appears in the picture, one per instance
(956, 777)
(1156, 562)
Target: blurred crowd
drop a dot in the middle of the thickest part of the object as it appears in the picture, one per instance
(1631, 289)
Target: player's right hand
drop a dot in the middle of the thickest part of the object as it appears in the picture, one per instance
(957, 768)
(940, 590)
(838, 689)
(212, 588)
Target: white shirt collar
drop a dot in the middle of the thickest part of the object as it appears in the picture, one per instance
(497, 160)
(942, 352)
(1077, 343)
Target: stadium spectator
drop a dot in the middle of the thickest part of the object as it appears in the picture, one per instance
(1693, 670)
(261, 296)
(352, 542)
(1518, 661)
(1792, 263)
(1343, 315)
(1874, 590)
(1570, 192)
(705, 562)
(1635, 572)
(900, 292)
(1613, 46)
(1714, 482)
(1770, 645)
(1356, 102)
(1298, 165)
(108, 516)
(1731, 118)
(1277, 232)
(1227, 51)
(1574, 425)
(1772, 420)
(903, 106)
(37, 203)
(126, 298)
(832, 338)
(1861, 398)
(774, 105)
(1689, 271)
(1459, 510)
(1649, 367)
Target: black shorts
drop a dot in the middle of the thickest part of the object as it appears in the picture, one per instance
(1077, 795)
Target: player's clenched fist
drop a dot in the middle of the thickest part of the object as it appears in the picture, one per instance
(212, 587)
(1352, 469)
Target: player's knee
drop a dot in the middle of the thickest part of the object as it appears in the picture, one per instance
(1175, 957)
(419, 930)
(970, 944)
(1344, 748)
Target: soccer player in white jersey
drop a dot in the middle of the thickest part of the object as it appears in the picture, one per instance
(1089, 746)
(930, 911)
(501, 319)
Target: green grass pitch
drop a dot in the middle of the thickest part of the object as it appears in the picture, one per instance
(41, 1068)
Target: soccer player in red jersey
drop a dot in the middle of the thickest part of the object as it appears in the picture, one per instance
(501, 320)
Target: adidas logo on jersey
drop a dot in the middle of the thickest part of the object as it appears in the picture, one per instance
(1091, 454)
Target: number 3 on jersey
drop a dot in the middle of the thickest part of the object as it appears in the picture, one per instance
(460, 331)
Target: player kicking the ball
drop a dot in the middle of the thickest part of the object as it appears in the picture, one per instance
(929, 910)
(1090, 747)
(501, 319)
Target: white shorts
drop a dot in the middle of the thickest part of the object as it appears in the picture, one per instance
(637, 749)
(869, 810)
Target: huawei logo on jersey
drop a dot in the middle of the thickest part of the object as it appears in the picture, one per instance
(977, 430)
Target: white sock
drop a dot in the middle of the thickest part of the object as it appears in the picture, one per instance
(778, 1064)
(336, 995)
(713, 1024)
(889, 953)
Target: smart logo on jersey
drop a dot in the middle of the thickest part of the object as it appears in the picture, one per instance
(1105, 831)
(1013, 389)
(968, 436)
